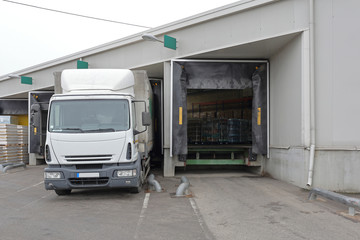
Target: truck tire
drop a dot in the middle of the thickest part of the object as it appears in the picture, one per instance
(63, 192)
(136, 190)
(139, 188)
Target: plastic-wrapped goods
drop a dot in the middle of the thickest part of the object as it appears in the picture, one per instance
(194, 131)
(249, 134)
(238, 131)
(13, 143)
(206, 131)
(221, 125)
(243, 130)
(215, 131)
(219, 131)
(9, 120)
(233, 130)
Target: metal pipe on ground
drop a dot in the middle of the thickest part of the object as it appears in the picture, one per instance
(352, 203)
(182, 187)
(7, 166)
(154, 183)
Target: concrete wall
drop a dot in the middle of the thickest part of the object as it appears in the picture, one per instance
(289, 165)
(337, 170)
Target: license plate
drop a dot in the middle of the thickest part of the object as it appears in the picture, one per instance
(88, 175)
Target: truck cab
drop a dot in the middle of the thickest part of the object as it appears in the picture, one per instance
(99, 131)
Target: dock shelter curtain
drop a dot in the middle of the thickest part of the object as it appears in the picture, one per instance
(219, 75)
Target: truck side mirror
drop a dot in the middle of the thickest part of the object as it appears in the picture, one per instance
(146, 119)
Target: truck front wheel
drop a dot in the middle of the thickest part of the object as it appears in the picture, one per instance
(136, 189)
(63, 192)
(139, 188)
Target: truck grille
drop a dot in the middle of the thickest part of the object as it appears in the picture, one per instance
(89, 181)
(81, 158)
(88, 166)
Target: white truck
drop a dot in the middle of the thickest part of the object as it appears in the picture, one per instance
(99, 132)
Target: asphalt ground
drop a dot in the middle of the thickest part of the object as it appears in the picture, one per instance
(241, 205)
(28, 211)
(221, 205)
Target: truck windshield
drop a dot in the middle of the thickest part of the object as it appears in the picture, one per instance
(86, 116)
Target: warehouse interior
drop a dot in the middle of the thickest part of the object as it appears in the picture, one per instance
(218, 120)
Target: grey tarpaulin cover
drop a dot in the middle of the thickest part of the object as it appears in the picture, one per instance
(219, 75)
(179, 97)
(13, 107)
(259, 111)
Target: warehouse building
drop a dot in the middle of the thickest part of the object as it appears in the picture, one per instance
(282, 71)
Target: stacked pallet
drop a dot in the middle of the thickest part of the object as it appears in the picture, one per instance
(13, 144)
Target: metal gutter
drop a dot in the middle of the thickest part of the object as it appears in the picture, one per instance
(323, 148)
(354, 148)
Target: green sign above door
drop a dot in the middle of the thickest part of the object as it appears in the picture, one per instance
(82, 65)
(169, 42)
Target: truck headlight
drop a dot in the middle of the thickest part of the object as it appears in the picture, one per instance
(126, 173)
(52, 175)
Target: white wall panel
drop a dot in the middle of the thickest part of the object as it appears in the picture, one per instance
(286, 96)
(346, 59)
(337, 51)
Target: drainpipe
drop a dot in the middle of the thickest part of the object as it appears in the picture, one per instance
(311, 165)
(312, 96)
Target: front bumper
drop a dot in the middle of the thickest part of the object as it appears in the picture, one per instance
(106, 177)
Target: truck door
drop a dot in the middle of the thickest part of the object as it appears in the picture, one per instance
(38, 109)
(157, 107)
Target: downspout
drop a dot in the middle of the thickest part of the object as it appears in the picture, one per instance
(312, 96)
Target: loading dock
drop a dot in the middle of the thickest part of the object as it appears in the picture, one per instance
(219, 111)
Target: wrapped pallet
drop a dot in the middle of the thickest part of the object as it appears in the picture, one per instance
(13, 144)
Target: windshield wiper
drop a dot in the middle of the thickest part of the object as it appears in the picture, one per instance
(73, 129)
(101, 130)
